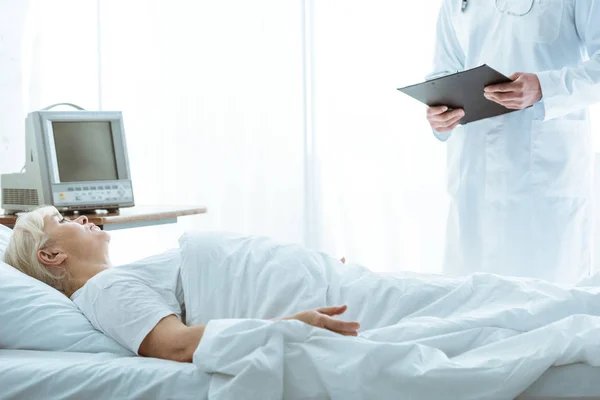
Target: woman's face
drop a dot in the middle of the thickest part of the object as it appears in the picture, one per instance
(77, 237)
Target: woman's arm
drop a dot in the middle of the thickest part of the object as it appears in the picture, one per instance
(172, 340)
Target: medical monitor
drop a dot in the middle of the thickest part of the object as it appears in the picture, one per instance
(76, 160)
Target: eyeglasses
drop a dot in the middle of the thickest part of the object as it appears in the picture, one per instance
(506, 5)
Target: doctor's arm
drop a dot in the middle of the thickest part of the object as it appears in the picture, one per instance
(574, 88)
(448, 59)
(562, 91)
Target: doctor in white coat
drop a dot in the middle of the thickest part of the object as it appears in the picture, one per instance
(521, 183)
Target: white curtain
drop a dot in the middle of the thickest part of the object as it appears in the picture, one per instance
(12, 27)
(381, 171)
(281, 116)
(212, 96)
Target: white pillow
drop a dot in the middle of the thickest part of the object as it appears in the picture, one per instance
(35, 316)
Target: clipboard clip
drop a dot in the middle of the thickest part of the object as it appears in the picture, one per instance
(464, 5)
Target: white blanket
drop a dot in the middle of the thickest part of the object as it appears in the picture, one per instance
(421, 337)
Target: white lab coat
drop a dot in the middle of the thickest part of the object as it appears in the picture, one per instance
(521, 184)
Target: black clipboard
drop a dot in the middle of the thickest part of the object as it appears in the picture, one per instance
(462, 90)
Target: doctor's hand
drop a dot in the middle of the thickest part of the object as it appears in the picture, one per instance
(523, 92)
(322, 318)
(442, 119)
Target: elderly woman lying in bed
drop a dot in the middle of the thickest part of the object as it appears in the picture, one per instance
(425, 337)
(72, 256)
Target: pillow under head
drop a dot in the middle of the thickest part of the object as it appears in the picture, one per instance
(35, 316)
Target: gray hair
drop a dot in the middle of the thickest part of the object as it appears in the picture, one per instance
(27, 238)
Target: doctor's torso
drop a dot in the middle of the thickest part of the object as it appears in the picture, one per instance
(518, 35)
(517, 153)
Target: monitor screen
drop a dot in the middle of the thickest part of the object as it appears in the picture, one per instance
(84, 151)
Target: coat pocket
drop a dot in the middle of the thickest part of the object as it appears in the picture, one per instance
(541, 20)
(561, 158)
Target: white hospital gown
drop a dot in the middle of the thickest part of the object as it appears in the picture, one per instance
(126, 302)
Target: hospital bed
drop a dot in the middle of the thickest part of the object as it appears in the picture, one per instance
(26, 374)
(74, 361)
(575, 381)
(60, 375)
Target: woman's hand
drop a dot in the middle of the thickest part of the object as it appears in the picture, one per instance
(322, 318)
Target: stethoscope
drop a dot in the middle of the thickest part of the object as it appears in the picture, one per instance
(465, 4)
